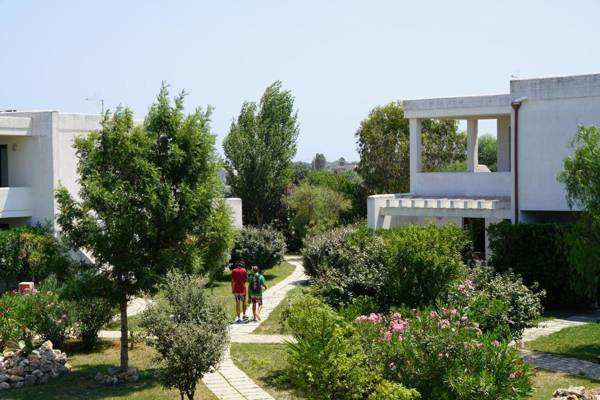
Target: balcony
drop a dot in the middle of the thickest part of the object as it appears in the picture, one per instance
(463, 184)
(15, 202)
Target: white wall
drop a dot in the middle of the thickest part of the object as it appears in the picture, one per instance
(462, 184)
(548, 121)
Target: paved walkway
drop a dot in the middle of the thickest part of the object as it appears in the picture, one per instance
(231, 383)
(557, 363)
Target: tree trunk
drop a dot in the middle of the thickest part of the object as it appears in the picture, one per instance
(124, 335)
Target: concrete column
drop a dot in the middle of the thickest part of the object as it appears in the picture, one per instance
(503, 140)
(415, 150)
(472, 150)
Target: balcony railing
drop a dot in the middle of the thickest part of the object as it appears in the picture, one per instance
(15, 202)
(462, 184)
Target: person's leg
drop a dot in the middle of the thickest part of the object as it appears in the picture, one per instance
(244, 307)
(254, 309)
(259, 309)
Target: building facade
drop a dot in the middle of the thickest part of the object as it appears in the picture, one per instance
(37, 156)
(535, 125)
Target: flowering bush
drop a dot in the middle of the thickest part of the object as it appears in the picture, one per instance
(10, 327)
(444, 356)
(328, 361)
(501, 304)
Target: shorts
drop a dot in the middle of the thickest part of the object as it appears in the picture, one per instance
(239, 297)
(256, 300)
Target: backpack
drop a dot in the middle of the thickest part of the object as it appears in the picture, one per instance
(256, 282)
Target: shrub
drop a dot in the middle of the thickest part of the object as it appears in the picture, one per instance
(264, 247)
(347, 263)
(422, 263)
(388, 390)
(327, 361)
(189, 330)
(537, 252)
(500, 303)
(445, 357)
(11, 328)
(90, 315)
(30, 254)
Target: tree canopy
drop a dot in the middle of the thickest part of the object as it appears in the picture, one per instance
(149, 200)
(259, 150)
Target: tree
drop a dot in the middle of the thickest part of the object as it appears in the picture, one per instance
(190, 331)
(488, 151)
(148, 201)
(383, 147)
(442, 144)
(319, 162)
(300, 170)
(316, 208)
(581, 177)
(349, 184)
(259, 150)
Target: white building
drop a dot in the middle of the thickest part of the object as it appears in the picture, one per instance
(37, 156)
(536, 123)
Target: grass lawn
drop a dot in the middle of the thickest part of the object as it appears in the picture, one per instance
(578, 342)
(265, 364)
(546, 382)
(80, 384)
(274, 325)
(221, 289)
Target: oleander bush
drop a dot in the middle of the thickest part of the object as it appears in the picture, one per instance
(444, 356)
(264, 247)
(501, 303)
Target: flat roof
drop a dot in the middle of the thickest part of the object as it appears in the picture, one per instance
(490, 106)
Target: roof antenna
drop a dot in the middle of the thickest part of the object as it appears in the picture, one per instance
(96, 100)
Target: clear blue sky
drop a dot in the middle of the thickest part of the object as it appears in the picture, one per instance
(339, 58)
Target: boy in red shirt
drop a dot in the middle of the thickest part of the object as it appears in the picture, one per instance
(239, 276)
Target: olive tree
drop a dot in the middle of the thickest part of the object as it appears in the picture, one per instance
(189, 330)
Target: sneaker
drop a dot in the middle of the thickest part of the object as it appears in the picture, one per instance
(245, 318)
(237, 321)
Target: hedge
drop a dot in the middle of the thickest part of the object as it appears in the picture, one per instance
(540, 254)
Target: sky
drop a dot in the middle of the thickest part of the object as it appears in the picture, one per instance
(339, 58)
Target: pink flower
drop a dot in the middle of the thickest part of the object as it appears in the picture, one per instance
(392, 365)
(396, 315)
(434, 314)
(496, 343)
(387, 336)
(398, 326)
(444, 324)
(453, 312)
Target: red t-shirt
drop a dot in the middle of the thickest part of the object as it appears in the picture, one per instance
(239, 276)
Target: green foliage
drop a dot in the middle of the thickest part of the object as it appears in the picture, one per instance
(350, 184)
(147, 199)
(410, 265)
(383, 147)
(488, 151)
(581, 177)
(90, 315)
(11, 326)
(259, 150)
(189, 330)
(264, 247)
(346, 263)
(30, 254)
(315, 208)
(422, 262)
(327, 361)
(300, 170)
(581, 174)
(444, 357)
(540, 254)
(442, 144)
(501, 303)
(388, 390)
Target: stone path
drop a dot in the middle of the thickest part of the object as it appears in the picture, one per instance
(557, 363)
(565, 365)
(231, 383)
